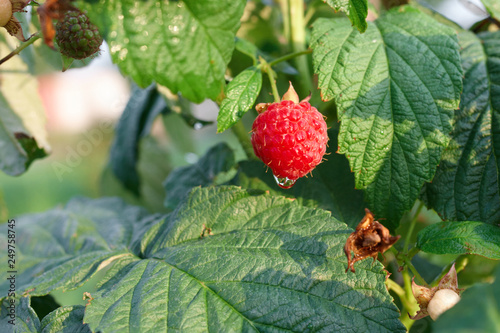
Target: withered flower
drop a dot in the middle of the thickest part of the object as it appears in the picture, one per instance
(369, 238)
(436, 300)
(7, 19)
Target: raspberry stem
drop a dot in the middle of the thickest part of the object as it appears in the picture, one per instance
(298, 43)
(21, 47)
(289, 56)
(266, 67)
(412, 226)
(272, 81)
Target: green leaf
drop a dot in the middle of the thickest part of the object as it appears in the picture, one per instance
(477, 311)
(135, 123)
(68, 319)
(18, 149)
(493, 7)
(183, 45)
(65, 247)
(266, 264)
(396, 87)
(330, 187)
(153, 166)
(248, 48)
(216, 167)
(241, 94)
(462, 237)
(356, 10)
(466, 185)
(16, 315)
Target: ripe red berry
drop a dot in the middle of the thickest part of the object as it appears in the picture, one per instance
(289, 137)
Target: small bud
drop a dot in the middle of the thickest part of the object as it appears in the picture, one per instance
(435, 301)
(442, 300)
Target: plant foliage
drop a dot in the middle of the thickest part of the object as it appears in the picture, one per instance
(412, 103)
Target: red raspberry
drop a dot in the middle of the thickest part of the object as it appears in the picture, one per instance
(290, 137)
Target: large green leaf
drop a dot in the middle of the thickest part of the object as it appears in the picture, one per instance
(461, 238)
(68, 319)
(396, 87)
(64, 247)
(228, 260)
(241, 94)
(466, 185)
(493, 7)
(183, 45)
(330, 187)
(142, 108)
(16, 315)
(18, 149)
(356, 10)
(216, 167)
(477, 311)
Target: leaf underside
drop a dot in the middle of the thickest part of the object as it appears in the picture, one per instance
(18, 149)
(142, 108)
(396, 87)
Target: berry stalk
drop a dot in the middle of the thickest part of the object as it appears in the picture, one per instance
(21, 47)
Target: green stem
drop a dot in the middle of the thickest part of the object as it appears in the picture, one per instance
(392, 285)
(311, 10)
(21, 47)
(298, 42)
(272, 81)
(410, 305)
(460, 263)
(412, 226)
(413, 251)
(398, 290)
(289, 56)
(416, 274)
(242, 135)
(285, 9)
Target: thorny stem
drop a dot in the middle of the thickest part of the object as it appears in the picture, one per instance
(242, 135)
(21, 47)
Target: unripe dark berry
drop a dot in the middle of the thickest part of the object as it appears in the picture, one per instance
(76, 36)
